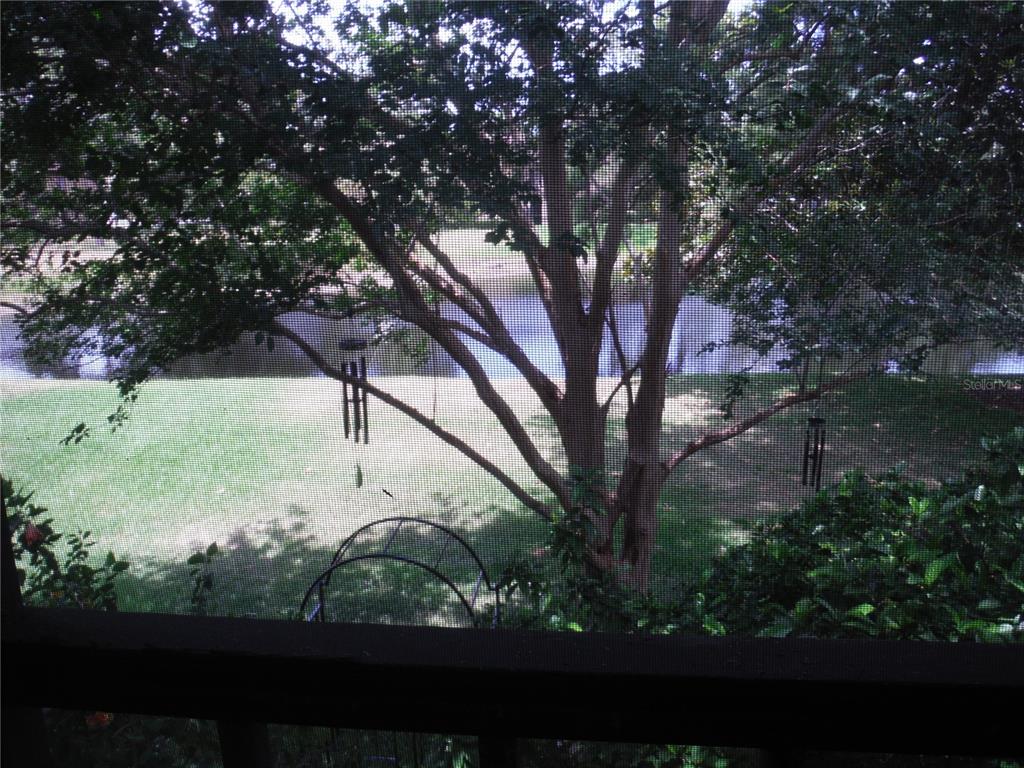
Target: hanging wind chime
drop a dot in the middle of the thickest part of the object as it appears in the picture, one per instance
(814, 442)
(355, 414)
(814, 451)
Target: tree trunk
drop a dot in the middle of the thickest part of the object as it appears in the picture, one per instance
(639, 492)
(582, 424)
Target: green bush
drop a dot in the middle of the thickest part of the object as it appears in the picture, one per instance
(44, 579)
(884, 557)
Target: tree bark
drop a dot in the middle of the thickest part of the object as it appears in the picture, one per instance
(639, 492)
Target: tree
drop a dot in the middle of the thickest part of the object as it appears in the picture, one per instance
(244, 167)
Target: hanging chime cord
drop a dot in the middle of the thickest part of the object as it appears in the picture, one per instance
(433, 413)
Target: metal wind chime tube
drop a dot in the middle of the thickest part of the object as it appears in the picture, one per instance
(355, 411)
(353, 371)
(814, 451)
(366, 415)
(344, 394)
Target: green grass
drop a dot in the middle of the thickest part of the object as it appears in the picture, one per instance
(261, 467)
(501, 268)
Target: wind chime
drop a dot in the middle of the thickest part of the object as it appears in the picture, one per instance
(814, 441)
(356, 415)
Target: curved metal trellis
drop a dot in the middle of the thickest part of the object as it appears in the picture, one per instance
(314, 602)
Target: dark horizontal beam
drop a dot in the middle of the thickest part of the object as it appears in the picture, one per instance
(823, 694)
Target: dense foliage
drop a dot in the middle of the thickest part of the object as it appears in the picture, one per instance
(884, 557)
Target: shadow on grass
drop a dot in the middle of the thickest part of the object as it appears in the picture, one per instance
(933, 425)
(264, 571)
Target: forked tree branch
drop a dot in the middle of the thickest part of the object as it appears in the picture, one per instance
(721, 435)
(449, 291)
(804, 153)
(627, 370)
(501, 340)
(460, 277)
(416, 310)
(496, 338)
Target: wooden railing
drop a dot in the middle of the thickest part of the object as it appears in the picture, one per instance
(780, 695)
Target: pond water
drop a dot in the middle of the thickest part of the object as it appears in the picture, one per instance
(698, 324)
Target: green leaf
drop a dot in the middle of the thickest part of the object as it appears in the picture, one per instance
(782, 627)
(211, 550)
(919, 506)
(1016, 582)
(937, 567)
(863, 610)
(713, 626)
(196, 559)
(803, 607)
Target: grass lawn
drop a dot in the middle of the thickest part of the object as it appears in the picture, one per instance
(261, 467)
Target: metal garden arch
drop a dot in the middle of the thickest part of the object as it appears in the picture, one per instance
(314, 603)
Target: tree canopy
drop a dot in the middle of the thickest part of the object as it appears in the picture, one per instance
(845, 177)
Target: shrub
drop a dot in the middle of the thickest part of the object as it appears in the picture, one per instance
(885, 557)
(44, 579)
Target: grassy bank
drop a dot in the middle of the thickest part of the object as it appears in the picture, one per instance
(261, 467)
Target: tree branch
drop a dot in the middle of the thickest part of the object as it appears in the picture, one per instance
(607, 253)
(627, 370)
(560, 259)
(18, 308)
(497, 336)
(721, 435)
(442, 258)
(805, 151)
(54, 231)
(416, 311)
(529, 501)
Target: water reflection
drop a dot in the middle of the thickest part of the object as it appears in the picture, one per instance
(698, 324)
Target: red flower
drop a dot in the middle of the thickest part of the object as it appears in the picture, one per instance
(99, 719)
(33, 535)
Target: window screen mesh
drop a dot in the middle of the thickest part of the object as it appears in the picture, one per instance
(495, 268)
(86, 738)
